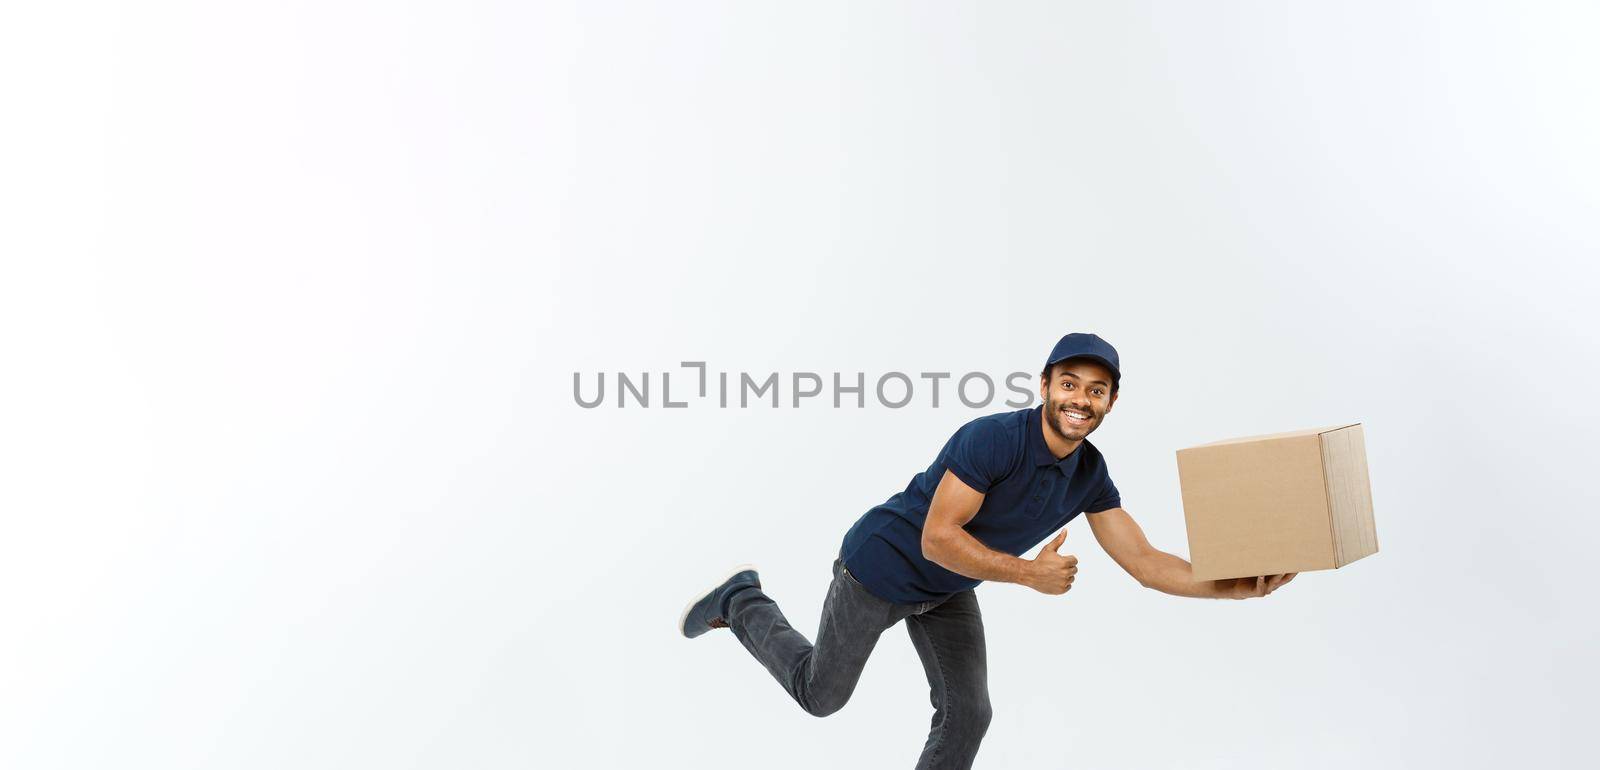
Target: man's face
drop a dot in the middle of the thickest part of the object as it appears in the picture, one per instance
(1076, 387)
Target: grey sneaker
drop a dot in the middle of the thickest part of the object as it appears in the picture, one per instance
(710, 609)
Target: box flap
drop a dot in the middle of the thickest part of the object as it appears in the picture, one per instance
(1286, 434)
(1344, 472)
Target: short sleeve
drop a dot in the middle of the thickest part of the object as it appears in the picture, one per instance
(981, 453)
(1107, 498)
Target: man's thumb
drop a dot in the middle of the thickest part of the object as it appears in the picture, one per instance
(1056, 543)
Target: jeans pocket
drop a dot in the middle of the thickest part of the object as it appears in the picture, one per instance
(848, 576)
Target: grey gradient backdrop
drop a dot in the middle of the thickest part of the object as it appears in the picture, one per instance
(292, 294)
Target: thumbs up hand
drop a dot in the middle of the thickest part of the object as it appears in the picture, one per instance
(1051, 572)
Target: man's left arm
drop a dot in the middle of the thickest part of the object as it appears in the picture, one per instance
(1125, 542)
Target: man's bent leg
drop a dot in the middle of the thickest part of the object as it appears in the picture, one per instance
(820, 677)
(949, 639)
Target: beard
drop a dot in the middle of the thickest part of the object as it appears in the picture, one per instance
(1058, 422)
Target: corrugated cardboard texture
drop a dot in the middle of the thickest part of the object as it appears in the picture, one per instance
(1344, 461)
(1256, 507)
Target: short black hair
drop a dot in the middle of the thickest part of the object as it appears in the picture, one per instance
(1048, 368)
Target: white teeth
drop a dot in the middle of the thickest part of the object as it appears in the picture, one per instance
(1078, 416)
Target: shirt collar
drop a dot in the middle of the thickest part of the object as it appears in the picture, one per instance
(1041, 451)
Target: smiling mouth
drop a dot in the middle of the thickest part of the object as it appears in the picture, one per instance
(1076, 418)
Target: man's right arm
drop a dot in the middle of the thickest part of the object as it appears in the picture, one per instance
(946, 542)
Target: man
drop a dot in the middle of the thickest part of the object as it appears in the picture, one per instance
(999, 486)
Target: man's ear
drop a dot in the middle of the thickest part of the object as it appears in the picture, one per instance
(1113, 401)
(1044, 387)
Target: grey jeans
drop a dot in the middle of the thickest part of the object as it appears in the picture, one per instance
(948, 635)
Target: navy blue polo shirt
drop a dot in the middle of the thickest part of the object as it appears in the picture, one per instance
(1028, 495)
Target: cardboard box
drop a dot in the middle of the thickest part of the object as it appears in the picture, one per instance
(1284, 502)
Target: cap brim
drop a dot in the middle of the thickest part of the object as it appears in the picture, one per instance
(1116, 374)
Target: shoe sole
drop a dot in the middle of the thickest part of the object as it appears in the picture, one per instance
(684, 616)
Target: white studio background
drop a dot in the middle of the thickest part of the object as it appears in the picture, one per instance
(293, 293)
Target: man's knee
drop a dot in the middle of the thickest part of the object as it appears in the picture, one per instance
(966, 727)
(826, 704)
(982, 714)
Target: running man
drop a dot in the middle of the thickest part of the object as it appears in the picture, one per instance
(1002, 484)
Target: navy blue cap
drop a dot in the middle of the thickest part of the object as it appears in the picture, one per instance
(1079, 345)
